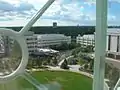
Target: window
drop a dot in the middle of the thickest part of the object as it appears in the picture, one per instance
(118, 43)
(109, 42)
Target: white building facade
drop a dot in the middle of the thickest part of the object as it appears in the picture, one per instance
(86, 39)
(36, 41)
(31, 40)
(113, 43)
(46, 40)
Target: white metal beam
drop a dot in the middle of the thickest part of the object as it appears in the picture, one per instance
(100, 44)
(36, 17)
(117, 85)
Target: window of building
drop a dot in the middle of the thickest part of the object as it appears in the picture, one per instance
(118, 43)
(109, 40)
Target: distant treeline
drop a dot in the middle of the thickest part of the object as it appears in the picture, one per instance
(67, 30)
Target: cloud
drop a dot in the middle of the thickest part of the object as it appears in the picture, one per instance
(111, 17)
(13, 2)
(69, 11)
(118, 1)
(23, 6)
(41, 22)
(5, 6)
(10, 10)
(76, 11)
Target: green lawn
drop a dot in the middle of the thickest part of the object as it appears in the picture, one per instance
(68, 80)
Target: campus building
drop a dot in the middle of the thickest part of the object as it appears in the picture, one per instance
(46, 40)
(86, 39)
(36, 41)
(31, 40)
(113, 43)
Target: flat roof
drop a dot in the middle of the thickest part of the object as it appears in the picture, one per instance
(47, 50)
(113, 31)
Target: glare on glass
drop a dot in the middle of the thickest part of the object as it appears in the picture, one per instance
(14, 53)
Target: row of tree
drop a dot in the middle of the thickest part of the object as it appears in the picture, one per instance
(65, 46)
(67, 30)
(85, 49)
(38, 62)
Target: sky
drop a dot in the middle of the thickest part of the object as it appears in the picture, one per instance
(64, 12)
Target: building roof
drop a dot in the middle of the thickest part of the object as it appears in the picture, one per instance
(113, 31)
(47, 50)
(44, 52)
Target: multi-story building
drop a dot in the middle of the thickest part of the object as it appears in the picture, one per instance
(36, 41)
(113, 43)
(31, 40)
(46, 40)
(86, 39)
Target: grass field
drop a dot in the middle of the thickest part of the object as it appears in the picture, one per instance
(68, 81)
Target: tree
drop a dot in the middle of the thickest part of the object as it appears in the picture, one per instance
(112, 73)
(72, 45)
(29, 65)
(87, 49)
(76, 51)
(44, 63)
(65, 61)
(55, 62)
(38, 62)
(92, 65)
(86, 66)
(90, 48)
(72, 61)
(81, 61)
(62, 46)
(64, 65)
